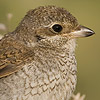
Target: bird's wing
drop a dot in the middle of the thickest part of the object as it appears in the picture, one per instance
(12, 58)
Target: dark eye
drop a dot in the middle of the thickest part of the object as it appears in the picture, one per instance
(57, 28)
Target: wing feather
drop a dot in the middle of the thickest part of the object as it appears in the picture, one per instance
(12, 57)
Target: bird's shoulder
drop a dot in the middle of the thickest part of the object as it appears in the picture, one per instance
(13, 56)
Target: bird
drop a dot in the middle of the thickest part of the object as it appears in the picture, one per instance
(37, 59)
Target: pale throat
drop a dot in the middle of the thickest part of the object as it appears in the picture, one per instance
(59, 43)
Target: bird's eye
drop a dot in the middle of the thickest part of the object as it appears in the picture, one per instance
(57, 28)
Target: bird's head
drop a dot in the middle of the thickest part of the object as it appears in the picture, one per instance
(51, 25)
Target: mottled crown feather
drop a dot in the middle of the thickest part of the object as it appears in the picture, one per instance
(44, 15)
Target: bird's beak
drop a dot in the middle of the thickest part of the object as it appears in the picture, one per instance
(81, 31)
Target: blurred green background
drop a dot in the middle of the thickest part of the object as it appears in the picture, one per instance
(88, 50)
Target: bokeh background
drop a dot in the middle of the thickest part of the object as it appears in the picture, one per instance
(88, 50)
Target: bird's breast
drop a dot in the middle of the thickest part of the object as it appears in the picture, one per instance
(51, 76)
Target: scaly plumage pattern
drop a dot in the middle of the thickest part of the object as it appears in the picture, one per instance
(37, 60)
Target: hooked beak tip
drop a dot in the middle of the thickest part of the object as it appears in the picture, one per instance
(87, 31)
